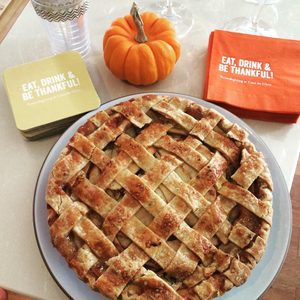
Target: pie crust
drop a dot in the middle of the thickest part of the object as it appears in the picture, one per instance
(160, 198)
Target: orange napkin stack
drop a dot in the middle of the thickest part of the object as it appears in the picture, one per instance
(253, 76)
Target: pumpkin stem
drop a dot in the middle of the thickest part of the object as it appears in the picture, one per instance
(141, 36)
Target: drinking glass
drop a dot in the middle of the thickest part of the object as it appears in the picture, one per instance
(254, 24)
(65, 23)
(178, 13)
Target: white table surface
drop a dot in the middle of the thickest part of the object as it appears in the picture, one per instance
(21, 266)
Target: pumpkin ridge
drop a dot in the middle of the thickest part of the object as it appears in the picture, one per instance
(167, 31)
(146, 15)
(121, 35)
(170, 41)
(129, 25)
(106, 38)
(157, 54)
(107, 59)
(153, 24)
(124, 25)
(156, 68)
(129, 65)
(123, 67)
(124, 60)
(163, 25)
(119, 29)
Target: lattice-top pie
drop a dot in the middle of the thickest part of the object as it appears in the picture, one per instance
(160, 198)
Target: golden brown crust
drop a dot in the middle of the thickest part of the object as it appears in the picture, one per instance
(160, 198)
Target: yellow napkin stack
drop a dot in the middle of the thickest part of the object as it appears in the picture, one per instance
(48, 95)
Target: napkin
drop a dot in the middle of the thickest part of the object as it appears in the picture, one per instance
(253, 76)
(48, 95)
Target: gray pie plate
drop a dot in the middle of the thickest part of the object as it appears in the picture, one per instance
(262, 275)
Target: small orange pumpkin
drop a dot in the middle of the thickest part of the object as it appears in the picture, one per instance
(141, 49)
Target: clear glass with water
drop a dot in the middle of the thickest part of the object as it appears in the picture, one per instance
(66, 25)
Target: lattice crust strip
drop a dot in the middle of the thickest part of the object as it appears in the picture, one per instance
(160, 198)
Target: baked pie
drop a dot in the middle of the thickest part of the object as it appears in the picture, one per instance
(160, 198)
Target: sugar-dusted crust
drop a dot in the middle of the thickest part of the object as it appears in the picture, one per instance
(160, 198)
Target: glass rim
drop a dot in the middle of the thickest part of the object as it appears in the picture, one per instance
(57, 6)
